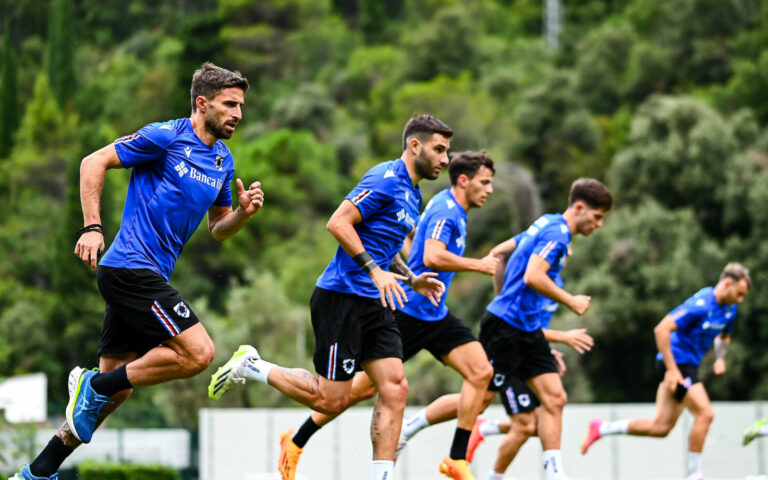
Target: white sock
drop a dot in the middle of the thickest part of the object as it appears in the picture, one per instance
(553, 464)
(615, 427)
(694, 463)
(763, 431)
(414, 424)
(257, 369)
(489, 427)
(382, 470)
(493, 475)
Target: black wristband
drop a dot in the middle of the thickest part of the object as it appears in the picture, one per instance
(94, 227)
(365, 261)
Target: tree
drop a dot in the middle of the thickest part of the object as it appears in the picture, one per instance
(61, 51)
(9, 92)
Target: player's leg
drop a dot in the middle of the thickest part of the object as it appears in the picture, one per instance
(523, 427)
(485, 428)
(388, 375)
(698, 403)
(292, 441)
(549, 388)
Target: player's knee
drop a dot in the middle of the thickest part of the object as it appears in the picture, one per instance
(333, 405)
(481, 375)
(555, 401)
(527, 427)
(395, 391)
(661, 429)
(706, 416)
(199, 359)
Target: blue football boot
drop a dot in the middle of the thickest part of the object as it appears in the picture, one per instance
(25, 474)
(84, 405)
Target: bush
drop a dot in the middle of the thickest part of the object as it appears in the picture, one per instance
(125, 471)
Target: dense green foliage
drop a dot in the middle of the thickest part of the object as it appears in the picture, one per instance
(125, 471)
(662, 99)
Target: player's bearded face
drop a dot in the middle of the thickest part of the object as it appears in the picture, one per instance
(223, 112)
(432, 157)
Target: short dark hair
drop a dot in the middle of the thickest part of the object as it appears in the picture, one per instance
(592, 192)
(424, 126)
(468, 163)
(736, 271)
(210, 79)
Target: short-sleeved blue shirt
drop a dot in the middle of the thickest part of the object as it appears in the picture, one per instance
(444, 220)
(389, 204)
(699, 320)
(518, 304)
(176, 178)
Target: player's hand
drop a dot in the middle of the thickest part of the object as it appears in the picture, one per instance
(426, 284)
(561, 368)
(579, 340)
(718, 368)
(489, 264)
(250, 200)
(88, 248)
(579, 304)
(673, 378)
(389, 290)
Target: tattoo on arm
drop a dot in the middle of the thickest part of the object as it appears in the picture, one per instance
(721, 347)
(66, 436)
(401, 268)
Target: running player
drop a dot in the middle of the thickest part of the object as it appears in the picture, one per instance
(683, 337)
(354, 298)
(438, 245)
(181, 170)
(524, 353)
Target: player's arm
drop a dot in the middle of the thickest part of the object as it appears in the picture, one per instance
(576, 338)
(425, 284)
(405, 251)
(662, 332)
(536, 278)
(561, 368)
(437, 257)
(93, 169)
(342, 227)
(721, 348)
(224, 221)
(502, 251)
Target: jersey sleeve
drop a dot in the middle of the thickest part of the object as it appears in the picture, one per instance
(145, 146)
(551, 247)
(225, 194)
(729, 327)
(442, 228)
(689, 312)
(371, 194)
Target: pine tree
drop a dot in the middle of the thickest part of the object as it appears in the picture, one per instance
(61, 66)
(9, 93)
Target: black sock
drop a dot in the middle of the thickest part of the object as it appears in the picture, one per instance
(109, 383)
(305, 431)
(51, 458)
(460, 442)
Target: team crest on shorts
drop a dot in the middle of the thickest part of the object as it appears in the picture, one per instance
(498, 379)
(524, 399)
(181, 310)
(348, 365)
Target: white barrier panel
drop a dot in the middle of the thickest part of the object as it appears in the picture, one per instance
(24, 398)
(242, 444)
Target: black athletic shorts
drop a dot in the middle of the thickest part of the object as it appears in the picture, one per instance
(516, 395)
(690, 377)
(513, 351)
(349, 330)
(439, 337)
(142, 310)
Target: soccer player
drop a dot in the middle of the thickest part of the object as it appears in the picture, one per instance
(438, 245)
(181, 170)
(683, 337)
(511, 329)
(757, 429)
(353, 301)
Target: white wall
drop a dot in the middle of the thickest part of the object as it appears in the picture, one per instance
(242, 444)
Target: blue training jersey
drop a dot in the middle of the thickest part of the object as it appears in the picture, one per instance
(444, 220)
(518, 304)
(176, 178)
(389, 204)
(549, 306)
(699, 320)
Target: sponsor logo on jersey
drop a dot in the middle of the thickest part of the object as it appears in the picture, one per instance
(402, 215)
(219, 162)
(203, 178)
(182, 169)
(188, 151)
(460, 242)
(707, 325)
